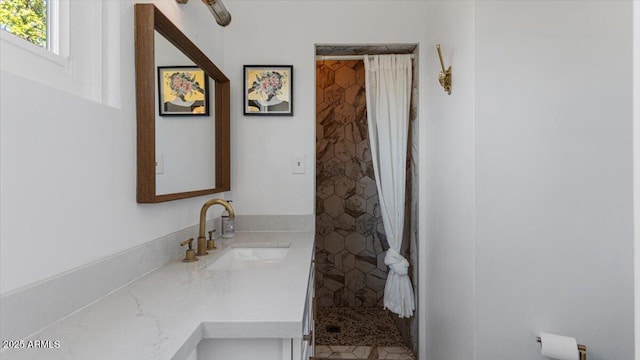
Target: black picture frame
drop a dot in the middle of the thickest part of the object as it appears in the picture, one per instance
(190, 79)
(267, 90)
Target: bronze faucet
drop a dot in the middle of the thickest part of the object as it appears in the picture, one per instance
(202, 241)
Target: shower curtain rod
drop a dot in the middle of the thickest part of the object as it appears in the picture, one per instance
(345, 57)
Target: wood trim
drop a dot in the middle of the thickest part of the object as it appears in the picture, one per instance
(223, 131)
(166, 28)
(149, 19)
(314, 308)
(145, 102)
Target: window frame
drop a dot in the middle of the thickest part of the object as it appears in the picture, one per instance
(55, 49)
(76, 59)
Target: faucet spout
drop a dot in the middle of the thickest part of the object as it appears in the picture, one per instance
(202, 241)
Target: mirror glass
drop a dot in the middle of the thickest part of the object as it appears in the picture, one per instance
(182, 111)
(185, 143)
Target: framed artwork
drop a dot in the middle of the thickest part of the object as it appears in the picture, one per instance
(182, 91)
(268, 90)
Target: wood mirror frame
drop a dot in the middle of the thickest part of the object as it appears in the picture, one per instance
(147, 20)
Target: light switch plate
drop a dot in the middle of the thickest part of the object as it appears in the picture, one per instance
(299, 164)
(159, 164)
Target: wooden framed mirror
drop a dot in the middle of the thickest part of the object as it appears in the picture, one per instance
(152, 28)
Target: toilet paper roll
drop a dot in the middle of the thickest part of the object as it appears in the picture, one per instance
(559, 347)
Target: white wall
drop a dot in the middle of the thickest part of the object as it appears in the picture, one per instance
(285, 32)
(542, 114)
(553, 176)
(447, 182)
(68, 166)
(636, 161)
(528, 179)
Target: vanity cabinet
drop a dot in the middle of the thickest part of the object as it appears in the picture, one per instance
(298, 348)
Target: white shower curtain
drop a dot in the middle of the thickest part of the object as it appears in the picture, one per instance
(388, 93)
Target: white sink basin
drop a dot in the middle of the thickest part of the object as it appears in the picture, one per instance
(250, 256)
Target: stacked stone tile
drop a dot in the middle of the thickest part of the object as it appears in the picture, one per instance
(350, 237)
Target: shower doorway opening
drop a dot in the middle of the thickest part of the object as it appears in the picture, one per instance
(350, 239)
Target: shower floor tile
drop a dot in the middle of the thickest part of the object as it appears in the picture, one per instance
(390, 352)
(356, 326)
(358, 333)
(324, 352)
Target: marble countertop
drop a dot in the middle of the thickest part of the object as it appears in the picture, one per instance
(165, 314)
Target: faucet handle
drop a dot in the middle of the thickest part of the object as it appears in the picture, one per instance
(188, 242)
(211, 245)
(190, 254)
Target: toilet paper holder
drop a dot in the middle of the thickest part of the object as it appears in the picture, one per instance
(582, 349)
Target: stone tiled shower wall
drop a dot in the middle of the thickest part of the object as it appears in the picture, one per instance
(350, 235)
(349, 230)
(350, 238)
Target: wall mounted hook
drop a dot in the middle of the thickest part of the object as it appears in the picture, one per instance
(445, 75)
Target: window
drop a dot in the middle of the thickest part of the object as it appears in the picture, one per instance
(27, 19)
(42, 23)
(72, 46)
